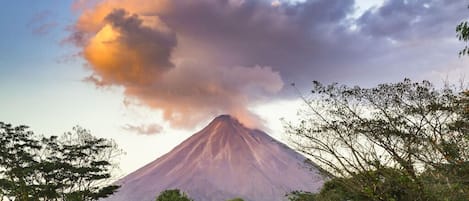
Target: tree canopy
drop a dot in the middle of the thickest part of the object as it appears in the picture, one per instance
(235, 199)
(74, 167)
(173, 195)
(401, 141)
(462, 31)
(178, 195)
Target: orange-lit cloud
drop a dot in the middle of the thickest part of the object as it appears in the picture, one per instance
(127, 52)
(142, 54)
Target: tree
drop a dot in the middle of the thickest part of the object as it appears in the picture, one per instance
(301, 196)
(18, 162)
(236, 199)
(390, 142)
(462, 31)
(85, 164)
(173, 195)
(75, 166)
(384, 184)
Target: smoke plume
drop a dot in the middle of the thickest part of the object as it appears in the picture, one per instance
(144, 55)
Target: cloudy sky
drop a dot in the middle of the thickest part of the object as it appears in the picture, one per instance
(148, 73)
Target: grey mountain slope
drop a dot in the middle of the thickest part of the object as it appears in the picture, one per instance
(222, 161)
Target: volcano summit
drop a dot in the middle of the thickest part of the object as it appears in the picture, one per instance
(223, 161)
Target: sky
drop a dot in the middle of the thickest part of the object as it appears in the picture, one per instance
(148, 73)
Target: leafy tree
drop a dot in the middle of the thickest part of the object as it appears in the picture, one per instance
(462, 31)
(85, 164)
(383, 184)
(173, 195)
(236, 199)
(391, 142)
(301, 196)
(18, 162)
(75, 166)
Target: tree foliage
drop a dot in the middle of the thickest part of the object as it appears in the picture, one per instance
(236, 199)
(391, 142)
(74, 166)
(173, 195)
(301, 196)
(19, 160)
(462, 32)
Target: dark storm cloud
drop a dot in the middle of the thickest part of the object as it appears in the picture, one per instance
(318, 39)
(291, 38)
(417, 19)
(412, 38)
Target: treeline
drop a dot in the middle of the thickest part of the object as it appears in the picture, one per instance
(406, 141)
(74, 167)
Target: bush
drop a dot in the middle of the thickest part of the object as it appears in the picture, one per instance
(173, 195)
(235, 199)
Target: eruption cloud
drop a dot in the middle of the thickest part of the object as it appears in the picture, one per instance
(144, 55)
(194, 59)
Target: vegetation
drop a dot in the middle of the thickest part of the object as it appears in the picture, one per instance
(177, 195)
(173, 195)
(235, 199)
(301, 196)
(462, 31)
(74, 167)
(402, 141)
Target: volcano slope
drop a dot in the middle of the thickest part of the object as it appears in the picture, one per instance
(222, 161)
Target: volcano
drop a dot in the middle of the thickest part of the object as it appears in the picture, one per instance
(224, 160)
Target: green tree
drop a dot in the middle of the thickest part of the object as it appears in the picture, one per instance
(391, 142)
(173, 195)
(301, 196)
(236, 199)
(462, 32)
(18, 161)
(74, 166)
(85, 163)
